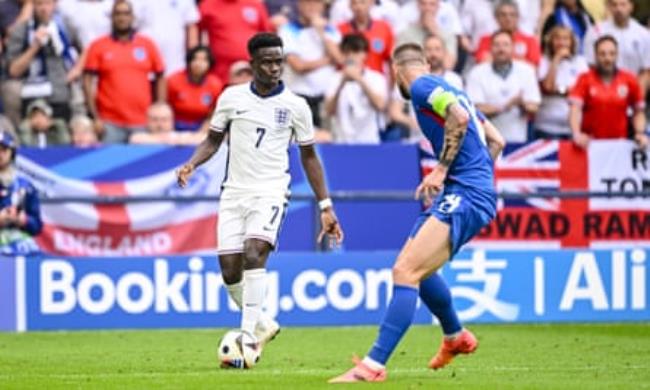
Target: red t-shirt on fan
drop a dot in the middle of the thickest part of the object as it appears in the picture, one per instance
(192, 103)
(605, 106)
(229, 25)
(123, 67)
(380, 40)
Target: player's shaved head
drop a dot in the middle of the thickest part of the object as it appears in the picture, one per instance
(409, 62)
(409, 54)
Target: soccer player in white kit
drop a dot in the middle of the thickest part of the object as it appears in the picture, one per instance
(259, 120)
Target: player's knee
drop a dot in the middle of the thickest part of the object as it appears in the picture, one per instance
(231, 275)
(405, 274)
(253, 259)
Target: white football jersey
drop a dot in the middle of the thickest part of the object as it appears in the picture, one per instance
(260, 131)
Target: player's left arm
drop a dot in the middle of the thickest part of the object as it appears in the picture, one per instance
(314, 171)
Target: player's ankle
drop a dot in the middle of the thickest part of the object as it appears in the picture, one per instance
(373, 364)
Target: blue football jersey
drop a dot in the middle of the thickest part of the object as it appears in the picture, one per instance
(473, 165)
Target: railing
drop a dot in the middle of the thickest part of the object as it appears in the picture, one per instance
(335, 195)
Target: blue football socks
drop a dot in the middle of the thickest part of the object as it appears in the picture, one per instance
(397, 320)
(436, 295)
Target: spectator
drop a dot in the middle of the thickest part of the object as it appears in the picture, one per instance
(525, 47)
(240, 72)
(376, 31)
(402, 117)
(83, 132)
(432, 17)
(42, 52)
(357, 98)
(632, 38)
(20, 212)
(601, 98)
(229, 24)
(477, 17)
(7, 126)
(436, 52)
(90, 19)
(193, 92)
(571, 14)
(12, 14)
(160, 129)
(173, 25)
(41, 129)
(280, 11)
(558, 72)
(505, 89)
(311, 47)
(116, 80)
(386, 10)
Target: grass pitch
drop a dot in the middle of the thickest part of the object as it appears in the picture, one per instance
(582, 357)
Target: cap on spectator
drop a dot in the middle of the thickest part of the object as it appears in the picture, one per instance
(238, 67)
(39, 104)
(7, 140)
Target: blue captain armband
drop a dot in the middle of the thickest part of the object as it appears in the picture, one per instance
(439, 99)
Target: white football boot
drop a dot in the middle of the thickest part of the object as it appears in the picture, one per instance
(266, 330)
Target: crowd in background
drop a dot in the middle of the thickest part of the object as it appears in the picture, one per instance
(87, 72)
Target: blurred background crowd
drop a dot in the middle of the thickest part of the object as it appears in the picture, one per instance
(91, 72)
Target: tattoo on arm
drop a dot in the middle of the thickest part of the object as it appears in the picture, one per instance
(455, 130)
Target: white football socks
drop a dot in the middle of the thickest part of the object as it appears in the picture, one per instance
(373, 364)
(235, 291)
(254, 291)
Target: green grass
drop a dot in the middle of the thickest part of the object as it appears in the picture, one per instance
(509, 357)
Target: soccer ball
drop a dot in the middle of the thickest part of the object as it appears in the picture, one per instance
(239, 349)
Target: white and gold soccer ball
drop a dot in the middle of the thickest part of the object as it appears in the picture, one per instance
(239, 349)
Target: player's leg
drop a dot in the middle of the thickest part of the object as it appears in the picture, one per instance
(424, 254)
(456, 340)
(256, 252)
(264, 220)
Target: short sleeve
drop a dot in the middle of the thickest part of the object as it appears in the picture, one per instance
(303, 127)
(578, 93)
(636, 97)
(221, 116)
(16, 42)
(191, 13)
(645, 45)
(288, 34)
(427, 92)
(93, 56)
(157, 64)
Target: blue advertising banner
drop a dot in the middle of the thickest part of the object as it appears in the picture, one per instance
(7, 293)
(335, 289)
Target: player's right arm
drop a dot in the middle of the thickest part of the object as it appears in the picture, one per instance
(210, 145)
(202, 153)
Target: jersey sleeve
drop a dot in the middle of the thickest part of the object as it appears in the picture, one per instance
(636, 96)
(578, 93)
(92, 58)
(303, 127)
(221, 116)
(428, 92)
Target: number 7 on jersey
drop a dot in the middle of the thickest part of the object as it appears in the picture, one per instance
(260, 134)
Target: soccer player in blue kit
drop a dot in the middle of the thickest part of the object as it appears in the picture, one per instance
(461, 192)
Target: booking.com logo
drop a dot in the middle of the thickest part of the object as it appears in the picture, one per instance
(195, 290)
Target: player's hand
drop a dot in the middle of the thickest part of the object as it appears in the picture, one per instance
(581, 139)
(98, 126)
(330, 226)
(431, 184)
(183, 174)
(641, 140)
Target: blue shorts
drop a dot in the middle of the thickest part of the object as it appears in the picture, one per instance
(465, 210)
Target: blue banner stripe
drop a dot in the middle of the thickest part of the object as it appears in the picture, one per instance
(103, 160)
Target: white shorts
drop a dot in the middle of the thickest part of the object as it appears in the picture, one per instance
(244, 217)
